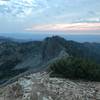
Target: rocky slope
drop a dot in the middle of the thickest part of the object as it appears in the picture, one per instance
(39, 86)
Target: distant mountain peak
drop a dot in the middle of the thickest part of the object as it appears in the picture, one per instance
(52, 46)
(56, 38)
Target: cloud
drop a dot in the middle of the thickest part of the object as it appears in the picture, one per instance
(4, 0)
(45, 14)
(65, 27)
(89, 20)
(17, 8)
(92, 13)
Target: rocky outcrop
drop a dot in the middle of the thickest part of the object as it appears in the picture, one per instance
(40, 86)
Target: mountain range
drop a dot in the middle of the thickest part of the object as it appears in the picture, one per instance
(18, 57)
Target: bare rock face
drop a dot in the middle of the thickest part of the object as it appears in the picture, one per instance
(14, 92)
(97, 92)
(40, 86)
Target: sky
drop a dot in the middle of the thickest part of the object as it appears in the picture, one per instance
(50, 16)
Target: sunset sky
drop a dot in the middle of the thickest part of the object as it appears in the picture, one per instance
(67, 16)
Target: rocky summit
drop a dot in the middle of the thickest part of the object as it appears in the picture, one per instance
(40, 86)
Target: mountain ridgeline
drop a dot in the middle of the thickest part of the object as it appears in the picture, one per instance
(17, 57)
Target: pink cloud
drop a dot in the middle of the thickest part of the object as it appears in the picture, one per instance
(65, 27)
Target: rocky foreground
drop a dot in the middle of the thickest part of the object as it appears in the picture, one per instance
(40, 86)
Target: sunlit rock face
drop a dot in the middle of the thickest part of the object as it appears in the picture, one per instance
(40, 86)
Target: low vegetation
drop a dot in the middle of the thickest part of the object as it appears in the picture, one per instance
(76, 68)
